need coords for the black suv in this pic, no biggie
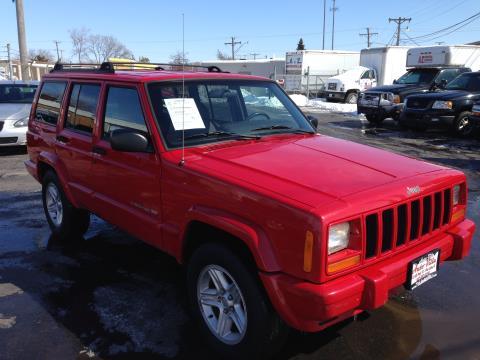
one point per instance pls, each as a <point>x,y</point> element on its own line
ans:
<point>448,107</point>
<point>382,102</point>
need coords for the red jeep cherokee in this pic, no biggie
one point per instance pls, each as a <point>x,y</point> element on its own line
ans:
<point>277,225</point>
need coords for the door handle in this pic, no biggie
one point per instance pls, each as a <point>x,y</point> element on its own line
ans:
<point>99,150</point>
<point>62,139</point>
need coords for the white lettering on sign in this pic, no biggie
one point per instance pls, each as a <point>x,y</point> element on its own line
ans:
<point>184,114</point>
<point>425,269</point>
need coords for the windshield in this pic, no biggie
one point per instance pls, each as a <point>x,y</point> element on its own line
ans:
<point>225,109</point>
<point>469,82</point>
<point>17,93</point>
<point>418,76</point>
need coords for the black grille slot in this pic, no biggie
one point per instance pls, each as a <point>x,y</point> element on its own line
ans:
<point>427,214</point>
<point>1,125</point>
<point>372,235</point>
<point>414,103</point>
<point>414,219</point>
<point>387,230</point>
<point>446,206</point>
<point>401,224</point>
<point>437,210</point>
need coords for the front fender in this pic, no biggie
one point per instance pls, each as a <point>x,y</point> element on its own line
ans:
<point>53,161</point>
<point>251,234</point>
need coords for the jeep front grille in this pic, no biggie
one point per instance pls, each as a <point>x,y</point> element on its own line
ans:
<point>332,86</point>
<point>399,225</point>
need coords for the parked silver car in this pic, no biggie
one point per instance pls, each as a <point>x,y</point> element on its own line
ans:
<point>16,99</point>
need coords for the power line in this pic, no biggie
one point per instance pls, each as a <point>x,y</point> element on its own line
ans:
<point>368,35</point>
<point>399,21</point>
<point>233,43</point>
<point>467,20</point>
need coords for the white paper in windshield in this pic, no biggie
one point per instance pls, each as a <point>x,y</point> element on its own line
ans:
<point>184,114</point>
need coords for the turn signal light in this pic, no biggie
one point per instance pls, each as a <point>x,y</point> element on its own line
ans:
<point>343,264</point>
<point>459,214</point>
<point>308,252</point>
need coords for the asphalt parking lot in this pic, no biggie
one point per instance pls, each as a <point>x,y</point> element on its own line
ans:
<point>113,297</point>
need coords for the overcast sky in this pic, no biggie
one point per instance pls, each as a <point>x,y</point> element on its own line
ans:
<point>154,28</point>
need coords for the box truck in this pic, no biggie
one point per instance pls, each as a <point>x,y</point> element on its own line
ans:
<point>307,70</point>
<point>378,66</point>
<point>428,68</point>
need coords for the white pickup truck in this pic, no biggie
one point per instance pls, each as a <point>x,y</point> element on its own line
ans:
<point>345,87</point>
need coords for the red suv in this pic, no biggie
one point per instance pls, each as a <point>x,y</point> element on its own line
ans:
<point>278,226</point>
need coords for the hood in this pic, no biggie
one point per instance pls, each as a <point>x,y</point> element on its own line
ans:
<point>399,88</point>
<point>352,74</point>
<point>311,169</point>
<point>445,95</point>
<point>10,111</point>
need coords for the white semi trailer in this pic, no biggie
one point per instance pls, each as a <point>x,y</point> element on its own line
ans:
<point>307,70</point>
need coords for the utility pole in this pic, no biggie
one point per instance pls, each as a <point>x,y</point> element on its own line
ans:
<point>255,55</point>
<point>399,21</point>
<point>324,14</point>
<point>233,43</point>
<point>58,52</point>
<point>10,68</point>
<point>333,9</point>
<point>22,40</point>
<point>368,35</point>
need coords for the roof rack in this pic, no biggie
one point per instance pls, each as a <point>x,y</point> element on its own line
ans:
<point>110,67</point>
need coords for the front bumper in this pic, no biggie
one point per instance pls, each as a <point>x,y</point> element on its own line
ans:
<point>312,307</point>
<point>335,95</point>
<point>381,111</point>
<point>12,136</point>
<point>427,118</point>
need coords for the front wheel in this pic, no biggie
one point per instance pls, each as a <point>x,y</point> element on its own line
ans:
<point>462,124</point>
<point>67,223</point>
<point>230,307</point>
<point>351,98</point>
<point>374,119</point>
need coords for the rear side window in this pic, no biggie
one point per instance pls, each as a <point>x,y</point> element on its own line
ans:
<point>48,107</point>
<point>123,110</point>
<point>82,107</point>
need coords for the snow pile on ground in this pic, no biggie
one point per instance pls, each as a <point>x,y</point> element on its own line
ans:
<point>300,100</point>
<point>321,104</point>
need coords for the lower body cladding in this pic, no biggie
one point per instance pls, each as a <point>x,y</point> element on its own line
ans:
<point>380,112</point>
<point>12,136</point>
<point>313,307</point>
<point>424,119</point>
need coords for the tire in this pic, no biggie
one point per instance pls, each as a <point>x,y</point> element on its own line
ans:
<point>462,125</point>
<point>66,222</point>
<point>374,119</point>
<point>262,332</point>
<point>351,98</point>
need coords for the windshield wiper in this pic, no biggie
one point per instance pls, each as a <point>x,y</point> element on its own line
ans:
<point>283,127</point>
<point>222,133</point>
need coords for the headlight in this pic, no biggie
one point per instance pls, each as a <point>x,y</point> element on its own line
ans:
<point>456,195</point>
<point>439,104</point>
<point>338,237</point>
<point>21,123</point>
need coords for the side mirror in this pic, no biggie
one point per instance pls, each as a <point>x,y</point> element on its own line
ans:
<point>129,140</point>
<point>313,121</point>
<point>394,81</point>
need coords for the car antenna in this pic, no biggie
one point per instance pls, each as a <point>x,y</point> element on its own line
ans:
<point>182,161</point>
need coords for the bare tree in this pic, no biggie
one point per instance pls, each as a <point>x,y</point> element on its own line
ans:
<point>178,58</point>
<point>40,55</point>
<point>143,59</point>
<point>223,56</point>
<point>79,39</point>
<point>100,48</point>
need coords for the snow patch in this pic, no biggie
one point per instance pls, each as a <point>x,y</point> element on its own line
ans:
<point>299,100</point>
<point>6,322</point>
<point>7,289</point>
<point>323,105</point>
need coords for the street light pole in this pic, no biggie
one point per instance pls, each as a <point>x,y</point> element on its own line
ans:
<point>22,39</point>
